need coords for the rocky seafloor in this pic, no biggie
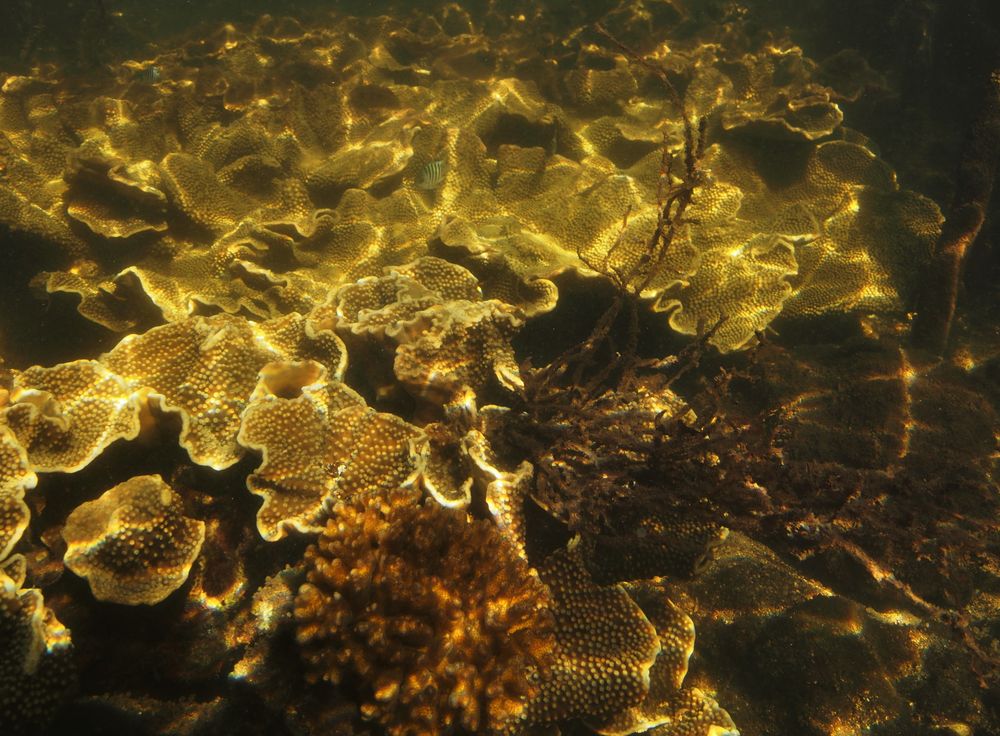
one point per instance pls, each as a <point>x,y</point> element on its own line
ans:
<point>484,370</point>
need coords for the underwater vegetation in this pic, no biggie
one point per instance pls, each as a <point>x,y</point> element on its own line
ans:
<point>446,371</point>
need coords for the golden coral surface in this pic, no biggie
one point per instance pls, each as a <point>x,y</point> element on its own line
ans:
<point>36,667</point>
<point>133,544</point>
<point>261,200</point>
<point>326,261</point>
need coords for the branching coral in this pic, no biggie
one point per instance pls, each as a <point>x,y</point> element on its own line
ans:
<point>443,622</point>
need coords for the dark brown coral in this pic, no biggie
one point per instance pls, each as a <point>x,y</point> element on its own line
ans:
<point>440,620</point>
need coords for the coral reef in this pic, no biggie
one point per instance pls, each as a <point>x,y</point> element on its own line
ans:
<point>340,449</point>
<point>535,180</point>
<point>205,369</point>
<point>16,477</point>
<point>449,367</point>
<point>68,414</point>
<point>443,622</point>
<point>133,544</point>
<point>36,669</point>
<point>449,342</point>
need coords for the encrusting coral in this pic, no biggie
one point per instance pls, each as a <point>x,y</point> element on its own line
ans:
<point>36,669</point>
<point>606,646</point>
<point>449,341</point>
<point>535,180</point>
<point>205,369</point>
<point>133,544</point>
<point>443,622</point>
<point>466,346</point>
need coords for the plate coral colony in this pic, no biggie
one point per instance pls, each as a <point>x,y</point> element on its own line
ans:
<point>440,388</point>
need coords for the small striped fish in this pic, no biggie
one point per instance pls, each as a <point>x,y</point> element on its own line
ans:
<point>431,176</point>
<point>149,75</point>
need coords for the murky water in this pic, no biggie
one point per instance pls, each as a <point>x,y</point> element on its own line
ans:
<point>502,368</point>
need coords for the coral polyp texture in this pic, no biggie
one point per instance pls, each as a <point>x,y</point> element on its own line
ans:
<point>407,373</point>
<point>68,414</point>
<point>320,447</point>
<point>16,477</point>
<point>621,657</point>
<point>262,204</point>
<point>36,667</point>
<point>449,341</point>
<point>133,544</point>
<point>443,622</point>
<point>205,368</point>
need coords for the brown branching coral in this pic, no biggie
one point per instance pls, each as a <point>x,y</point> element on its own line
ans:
<point>441,620</point>
<point>592,421</point>
<point>133,544</point>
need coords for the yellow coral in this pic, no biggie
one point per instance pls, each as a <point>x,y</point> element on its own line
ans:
<point>669,709</point>
<point>342,449</point>
<point>99,300</point>
<point>205,369</point>
<point>133,544</point>
<point>68,414</point>
<point>36,669</point>
<point>605,646</point>
<point>16,476</point>
<point>772,93</point>
<point>840,238</point>
<point>386,305</point>
<point>466,344</point>
<point>110,195</point>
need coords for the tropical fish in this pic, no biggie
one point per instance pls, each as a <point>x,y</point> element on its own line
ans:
<point>431,175</point>
<point>149,75</point>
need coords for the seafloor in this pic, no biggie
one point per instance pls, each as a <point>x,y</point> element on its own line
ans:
<point>507,368</point>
